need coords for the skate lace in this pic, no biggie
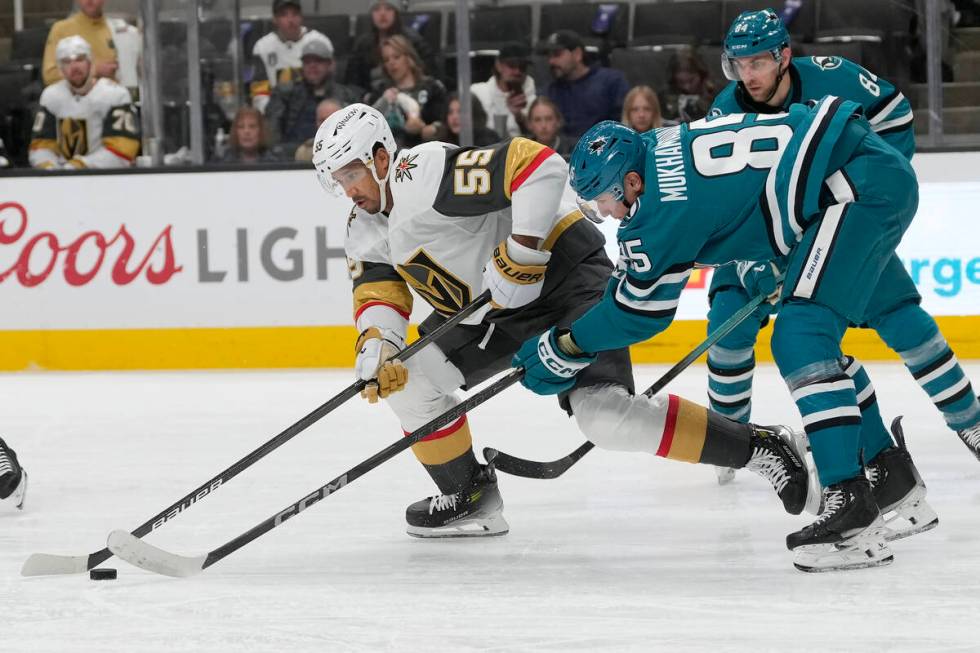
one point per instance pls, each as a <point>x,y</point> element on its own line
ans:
<point>442,502</point>
<point>833,500</point>
<point>769,466</point>
<point>971,436</point>
<point>6,464</point>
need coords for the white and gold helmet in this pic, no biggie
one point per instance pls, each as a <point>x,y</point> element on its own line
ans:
<point>351,134</point>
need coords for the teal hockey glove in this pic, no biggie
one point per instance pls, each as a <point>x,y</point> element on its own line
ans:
<point>551,362</point>
<point>761,277</point>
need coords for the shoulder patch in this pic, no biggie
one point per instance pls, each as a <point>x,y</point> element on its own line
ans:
<point>404,167</point>
<point>826,63</point>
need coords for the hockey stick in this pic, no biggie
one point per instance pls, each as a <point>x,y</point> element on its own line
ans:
<point>146,556</point>
<point>515,466</point>
<point>41,564</point>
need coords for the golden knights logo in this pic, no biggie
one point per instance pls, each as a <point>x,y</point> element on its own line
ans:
<point>72,137</point>
<point>405,166</point>
<point>443,290</point>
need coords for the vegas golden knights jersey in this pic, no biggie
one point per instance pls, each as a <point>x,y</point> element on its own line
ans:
<point>452,206</point>
<point>95,130</point>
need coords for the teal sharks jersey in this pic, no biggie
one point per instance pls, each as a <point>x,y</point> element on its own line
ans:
<point>734,187</point>
<point>886,108</point>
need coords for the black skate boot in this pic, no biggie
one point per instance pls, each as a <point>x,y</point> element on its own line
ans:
<point>778,457</point>
<point>13,478</point>
<point>474,512</point>
<point>848,534</point>
<point>971,438</point>
<point>899,491</point>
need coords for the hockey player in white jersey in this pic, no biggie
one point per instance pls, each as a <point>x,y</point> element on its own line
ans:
<point>448,222</point>
<point>13,478</point>
<point>83,122</point>
<point>276,56</point>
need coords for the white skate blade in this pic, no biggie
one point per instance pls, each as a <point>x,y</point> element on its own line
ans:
<point>474,527</point>
<point>146,556</point>
<point>47,564</point>
<point>913,515</point>
<point>865,549</point>
<point>725,475</point>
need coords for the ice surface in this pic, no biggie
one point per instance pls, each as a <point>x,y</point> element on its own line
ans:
<point>624,552</point>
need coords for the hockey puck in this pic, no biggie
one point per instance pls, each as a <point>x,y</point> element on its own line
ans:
<point>102,574</point>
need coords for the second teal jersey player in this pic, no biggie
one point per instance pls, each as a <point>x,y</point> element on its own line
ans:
<point>765,79</point>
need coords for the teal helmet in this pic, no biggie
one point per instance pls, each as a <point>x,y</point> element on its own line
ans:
<point>601,159</point>
<point>751,33</point>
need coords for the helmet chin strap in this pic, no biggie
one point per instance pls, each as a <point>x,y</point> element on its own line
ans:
<point>382,184</point>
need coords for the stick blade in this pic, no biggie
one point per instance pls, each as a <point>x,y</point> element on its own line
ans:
<point>47,564</point>
<point>514,466</point>
<point>146,556</point>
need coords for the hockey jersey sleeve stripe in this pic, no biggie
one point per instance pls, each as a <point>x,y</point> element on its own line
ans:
<point>661,296</point>
<point>363,307</point>
<point>523,158</point>
<point>560,228</point>
<point>121,146</point>
<point>903,122</point>
<point>885,107</point>
<point>673,274</point>
<point>44,144</point>
<point>394,293</point>
<point>804,160</point>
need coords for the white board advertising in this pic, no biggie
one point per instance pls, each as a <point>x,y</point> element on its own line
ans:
<point>228,249</point>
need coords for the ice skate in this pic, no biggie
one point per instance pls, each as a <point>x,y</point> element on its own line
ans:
<point>474,512</point>
<point>848,534</point>
<point>778,457</point>
<point>13,477</point>
<point>971,438</point>
<point>899,491</point>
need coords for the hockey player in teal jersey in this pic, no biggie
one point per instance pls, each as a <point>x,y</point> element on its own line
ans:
<point>813,185</point>
<point>765,79</point>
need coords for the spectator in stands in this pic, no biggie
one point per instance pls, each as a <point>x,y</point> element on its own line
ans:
<point>641,109</point>
<point>448,129</point>
<point>364,65</point>
<point>249,141</point>
<point>407,97</point>
<point>291,113</point>
<point>276,56</point>
<point>90,24</point>
<point>690,89</point>
<point>544,126</point>
<point>323,111</point>
<point>508,93</point>
<point>83,121</point>
<point>585,95</point>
